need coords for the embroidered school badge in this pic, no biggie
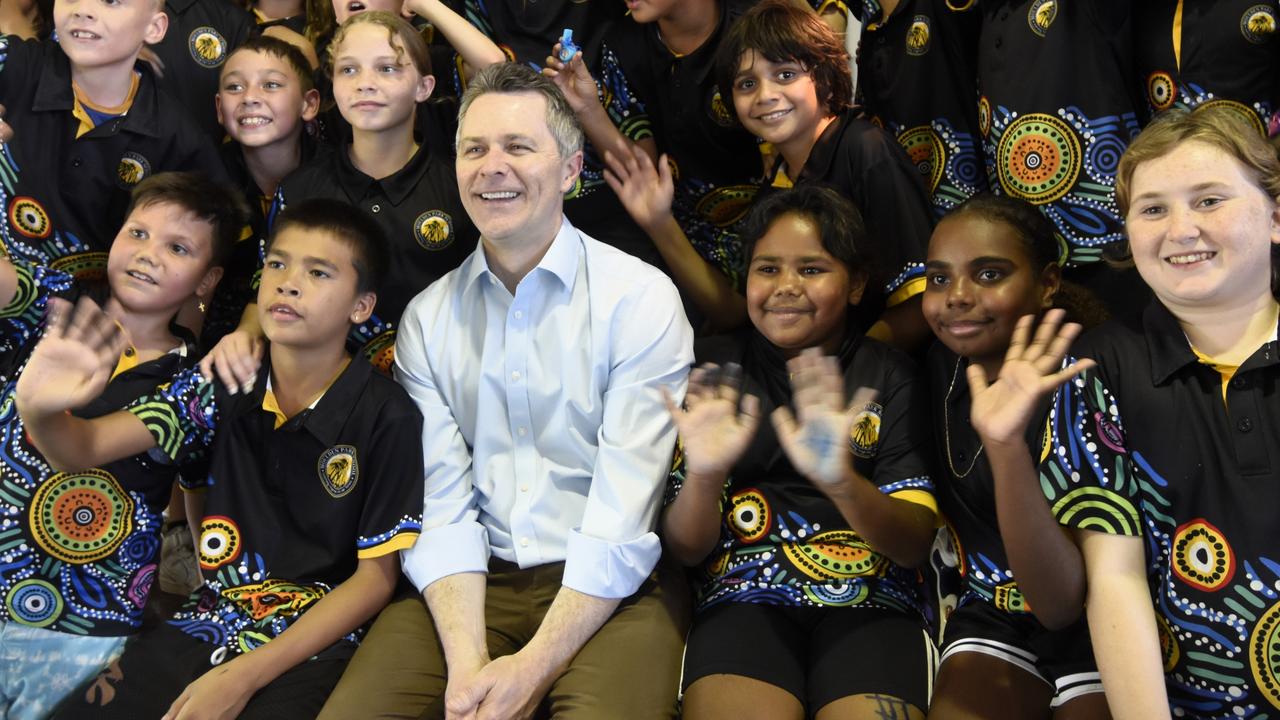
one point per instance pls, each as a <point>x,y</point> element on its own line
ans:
<point>29,218</point>
<point>132,169</point>
<point>434,230</point>
<point>718,111</point>
<point>918,35</point>
<point>208,47</point>
<point>864,436</point>
<point>338,470</point>
<point>1258,24</point>
<point>1041,14</point>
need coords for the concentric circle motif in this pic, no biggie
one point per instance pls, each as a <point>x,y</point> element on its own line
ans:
<point>1038,159</point>
<point>381,351</point>
<point>1249,116</point>
<point>1201,556</point>
<point>984,116</point>
<point>34,602</point>
<point>29,218</point>
<point>1170,654</point>
<point>1008,598</point>
<point>1264,655</point>
<point>927,153</point>
<point>219,542</point>
<point>1161,91</point>
<point>841,595</point>
<point>84,267</point>
<point>81,517</point>
<point>835,555</point>
<point>749,515</point>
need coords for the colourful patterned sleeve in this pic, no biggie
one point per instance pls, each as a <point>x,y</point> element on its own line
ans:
<point>23,317</point>
<point>181,416</point>
<point>620,101</point>
<point>1089,477</point>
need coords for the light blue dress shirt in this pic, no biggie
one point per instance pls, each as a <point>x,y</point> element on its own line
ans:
<point>545,437</point>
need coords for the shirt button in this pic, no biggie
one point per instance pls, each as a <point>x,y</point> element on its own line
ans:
<point>518,314</point>
<point>999,43</point>
<point>521,431</point>
<point>524,488</point>
<point>76,162</point>
<point>1239,383</point>
<point>376,208</point>
<point>515,376</point>
<point>524,542</point>
<point>1245,425</point>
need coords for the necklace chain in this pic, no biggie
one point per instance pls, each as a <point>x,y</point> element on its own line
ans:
<point>946,428</point>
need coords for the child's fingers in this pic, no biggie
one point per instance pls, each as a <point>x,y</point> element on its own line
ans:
<point>977,379</point>
<point>784,423</point>
<point>59,314</point>
<point>1071,371</point>
<point>1044,334</point>
<point>750,416</point>
<point>672,407</point>
<point>1060,344</point>
<point>863,397</point>
<point>1021,333</point>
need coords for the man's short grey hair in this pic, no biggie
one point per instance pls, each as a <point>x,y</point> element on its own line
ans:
<point>509,77</point>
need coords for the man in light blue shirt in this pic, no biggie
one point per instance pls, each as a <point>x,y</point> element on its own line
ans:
<point>539,366</point>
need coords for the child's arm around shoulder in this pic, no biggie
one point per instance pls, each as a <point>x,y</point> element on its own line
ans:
<point>224,691</point>
<point>70,367</point>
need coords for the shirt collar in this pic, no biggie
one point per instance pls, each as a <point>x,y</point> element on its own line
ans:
<point>326,416</point>
<point>177,7</point>
<point>560,260</point>
<point>823,154</point>
<point>53,92</point>
<point>1170,351</point>
<point>396,186</point>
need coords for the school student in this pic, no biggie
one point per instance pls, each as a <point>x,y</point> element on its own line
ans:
<point>82,547</point>
<point>804,530</point>
<point>314,486</point>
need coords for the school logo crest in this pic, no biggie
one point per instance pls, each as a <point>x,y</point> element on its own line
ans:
<point>208,47</point>
<point>434,230</point>
<point>1258,24</point>
<point>29,217</point>
<point>864,436</point>
<point>338,470</point>
<point>918,35</point>
<point>132,169</point>
<point>1041,14</point>
<point>718,111</point>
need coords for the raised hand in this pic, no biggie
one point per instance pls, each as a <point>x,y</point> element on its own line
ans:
<point>573,79</point>
<point>713,430</point>
<point>73,363</point>
<point>645,191</point>
<point>816,438</point>
<point>1032,368</point>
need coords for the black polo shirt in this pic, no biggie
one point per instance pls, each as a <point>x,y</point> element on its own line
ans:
<point>1057,111</point>
<point>1230,55</point>
<point>917,77</point>
<point>65,197</point>
<point>863,163</point>
<point>1144,445</point>
<point>289,510</point>
<point>78,551</point>
<point>419,209</point>
<point>781,541</point>
<point>202,33</point>
<point>716,163</point>
<point>968,495</point>
<point>526,32</point>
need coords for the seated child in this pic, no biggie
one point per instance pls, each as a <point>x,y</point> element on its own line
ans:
<point>315,483</point>
<point>992,261</point>
<point>81,548</point>
<point>790,79</point>
<point>265,99</point>
<point>1164,459</point>
<point>805,530</point>
<point>88,126</point>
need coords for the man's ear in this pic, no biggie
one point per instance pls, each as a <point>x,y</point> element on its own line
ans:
<point>572,169</point>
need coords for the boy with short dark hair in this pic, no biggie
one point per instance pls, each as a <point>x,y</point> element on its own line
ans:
<point>79,550</point>
<point>265,98</point>
<point>315,484</point>
<point>88,126</point>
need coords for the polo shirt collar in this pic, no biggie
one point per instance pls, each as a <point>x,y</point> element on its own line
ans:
<point>325,418</point>
<point>1168,348</point>
<point>178,6</point>
<point>824,152</point>
<point>560,260</point>
<point>396,186</point>
<point>53,92</point>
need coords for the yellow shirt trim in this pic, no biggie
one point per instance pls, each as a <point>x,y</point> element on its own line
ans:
<point>403,541</point>
<point>1226,371</point>
<point>272,405</point>
<point>908,290</point>
<point>919,497</point>
<point>1177,36</point>
<point>82,102</point>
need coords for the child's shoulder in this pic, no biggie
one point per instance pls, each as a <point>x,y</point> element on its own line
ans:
<point>313,175</point>
<point>29,60</point>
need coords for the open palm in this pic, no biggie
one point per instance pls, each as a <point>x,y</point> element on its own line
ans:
<point>1032,368</point>
<point>713,430</point>
<point>816,437</point>
<point>73,362</point>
